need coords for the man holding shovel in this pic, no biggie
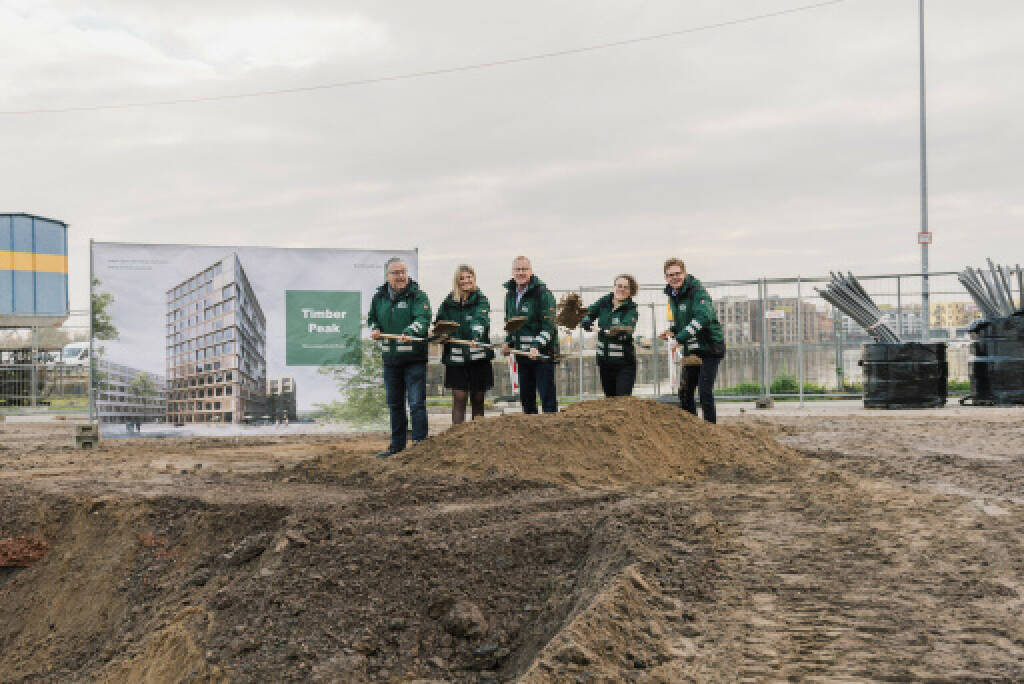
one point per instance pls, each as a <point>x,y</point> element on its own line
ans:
<point>696,328</point>
<point>400,317</point>
<point>532,335</point>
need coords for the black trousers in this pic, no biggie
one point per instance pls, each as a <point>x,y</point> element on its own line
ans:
<point>617,381</point>
<point>700,378</point>
<point>537,377</point>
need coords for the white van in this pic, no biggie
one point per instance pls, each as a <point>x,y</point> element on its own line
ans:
<point>75,354</point>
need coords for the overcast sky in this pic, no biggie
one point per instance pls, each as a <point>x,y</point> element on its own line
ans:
<point>778,147</point>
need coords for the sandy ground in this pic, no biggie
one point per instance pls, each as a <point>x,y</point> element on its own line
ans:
<point>816,543</point>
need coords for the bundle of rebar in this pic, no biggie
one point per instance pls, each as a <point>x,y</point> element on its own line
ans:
<point>991,289</point>
<point>845,293</point>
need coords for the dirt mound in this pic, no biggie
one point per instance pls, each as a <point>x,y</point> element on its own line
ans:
<point>608,442</point>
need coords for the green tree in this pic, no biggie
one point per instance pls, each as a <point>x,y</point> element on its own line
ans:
<point>143,388</point>
<point>102,325</point>
<point>362,389</point>
<point>102,329</point>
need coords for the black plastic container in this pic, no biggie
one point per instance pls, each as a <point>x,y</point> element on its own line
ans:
<point>907,375</point>
<point>996,366</point>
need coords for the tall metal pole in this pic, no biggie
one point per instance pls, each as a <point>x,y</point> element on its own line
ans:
<point>925,311</point>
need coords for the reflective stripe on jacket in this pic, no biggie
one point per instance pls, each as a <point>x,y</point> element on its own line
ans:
<point>613,349</point>
<point>538,305</point>
<point>474,319</point>
<point>409,313</point>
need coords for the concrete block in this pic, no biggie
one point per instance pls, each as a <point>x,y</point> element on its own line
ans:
<point>87,430</point>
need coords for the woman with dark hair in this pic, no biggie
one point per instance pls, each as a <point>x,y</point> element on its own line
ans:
<point>615,315</point>
<point>467,366</point>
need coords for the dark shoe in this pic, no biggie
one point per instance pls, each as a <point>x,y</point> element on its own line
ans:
<point>390,451</point>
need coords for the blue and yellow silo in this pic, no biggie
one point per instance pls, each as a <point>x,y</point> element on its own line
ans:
<point>33,271</point>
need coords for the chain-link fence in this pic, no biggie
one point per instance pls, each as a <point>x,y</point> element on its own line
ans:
<point>46,368</point>
<point>782,338</point>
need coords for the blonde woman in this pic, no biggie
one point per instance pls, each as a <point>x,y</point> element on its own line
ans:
<point>467,367</point>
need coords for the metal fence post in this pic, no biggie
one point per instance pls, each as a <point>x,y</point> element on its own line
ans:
<point>33,361</point>
<point>799,342</point>
<point>654,353</point>
<point>92,352</point>
<point>763,287</point>
<point>579,330</point>
<point>899,307</point>
<point>839,348</point>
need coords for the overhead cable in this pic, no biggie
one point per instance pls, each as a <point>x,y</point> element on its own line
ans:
<point>422,74</point>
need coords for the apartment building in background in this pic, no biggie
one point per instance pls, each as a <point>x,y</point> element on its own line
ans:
<point>741,319</point>
<point>953,314</point>
<point>734,314</point>
<point>128,395</point>
<point>216,347</point>
<point>281,405</point>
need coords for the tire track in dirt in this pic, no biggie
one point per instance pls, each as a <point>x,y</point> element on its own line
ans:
<point>830,576</point>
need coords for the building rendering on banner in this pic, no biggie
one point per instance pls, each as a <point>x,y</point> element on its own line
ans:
<point>128,395</point>
<point>281,405</point>
<point>216,347</point>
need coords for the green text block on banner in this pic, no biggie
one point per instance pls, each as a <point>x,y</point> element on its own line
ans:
<point>322,328</point>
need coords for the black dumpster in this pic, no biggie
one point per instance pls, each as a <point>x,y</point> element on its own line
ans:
<point>996,365</point>
<point>906,375</point>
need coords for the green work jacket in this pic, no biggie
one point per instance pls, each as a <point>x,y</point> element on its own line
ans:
<point>408,313</point>
<point>613,349</point>
<point>694,321</point>
<point>538,305</point>
<point>474,319</point>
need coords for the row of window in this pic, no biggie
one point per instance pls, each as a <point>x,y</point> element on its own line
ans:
<point>204,340</point>
<point>177,322</point>
<point>196,282</point>
<point>197,406</point>
<point>200,393</point>
<point>226,417</point>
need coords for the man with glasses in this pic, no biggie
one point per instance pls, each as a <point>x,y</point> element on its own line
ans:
<point>527,296</point>
<point>401,309</point>
<point>696,328</point>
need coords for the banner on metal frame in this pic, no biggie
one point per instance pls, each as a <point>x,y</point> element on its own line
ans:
<point>219,332</point>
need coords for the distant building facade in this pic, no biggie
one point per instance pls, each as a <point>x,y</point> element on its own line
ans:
<point>216,347</point>
<point>953,314</point>
<point>128,395</point>
<point>734,315</point>
<point>281,404</point>
<point>782,326</point>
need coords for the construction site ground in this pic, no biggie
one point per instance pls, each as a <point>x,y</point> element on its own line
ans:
<point>618,541</point>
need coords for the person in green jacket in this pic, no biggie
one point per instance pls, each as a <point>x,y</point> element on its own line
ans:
<point>467,368</point>
<point>616,356</point>
<point>400,307</point>
<point>527,296</point>
<point>696,328</point>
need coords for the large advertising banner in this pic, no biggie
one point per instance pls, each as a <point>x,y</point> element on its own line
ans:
<point>196,334</point>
